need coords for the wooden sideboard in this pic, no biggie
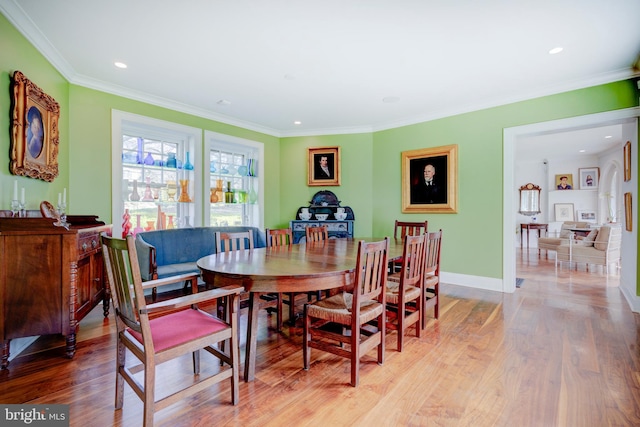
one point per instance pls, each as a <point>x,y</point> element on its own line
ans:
<point>50,277</point>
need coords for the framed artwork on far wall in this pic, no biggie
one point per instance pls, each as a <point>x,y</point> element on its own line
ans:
<point>430,180</point>
<point>589,178</point>
<point>564,212</point>
<point>627,161</point>
<point>34,130</point>
<point>628,212</point>
<point>587,216</point>
<point>324,166</point>
<point>564,181</point>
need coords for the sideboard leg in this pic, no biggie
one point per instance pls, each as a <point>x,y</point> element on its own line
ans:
<point>71,345</point>
<point>4,363</point>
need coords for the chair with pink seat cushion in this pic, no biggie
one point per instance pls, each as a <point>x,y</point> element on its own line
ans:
<point>159,332</point>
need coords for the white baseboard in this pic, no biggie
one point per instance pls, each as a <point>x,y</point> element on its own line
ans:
<point>487,283</point>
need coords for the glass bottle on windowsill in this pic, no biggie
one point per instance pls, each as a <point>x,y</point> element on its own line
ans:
<point>228,195</point>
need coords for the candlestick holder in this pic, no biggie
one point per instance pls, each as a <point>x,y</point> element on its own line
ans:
<point>61,216</point>
<point>15,208</point>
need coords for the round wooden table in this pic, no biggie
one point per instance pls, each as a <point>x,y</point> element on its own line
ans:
<point>296,268</point>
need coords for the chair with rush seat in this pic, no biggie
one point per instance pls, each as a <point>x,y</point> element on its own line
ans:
<point>341,324</point>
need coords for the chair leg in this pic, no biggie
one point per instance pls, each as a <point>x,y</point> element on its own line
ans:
<point>355,356</point>
<point>149,392</point>
<point>196,362</point>
<point>120,363</point>
<point>306,353</point>
<point>279,313</point>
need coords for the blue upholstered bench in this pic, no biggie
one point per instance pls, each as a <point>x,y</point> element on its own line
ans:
<point>164,253</point>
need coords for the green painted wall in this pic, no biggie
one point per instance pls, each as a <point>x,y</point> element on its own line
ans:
<point>474,236</point>
<point>17,54</point>
<point>370,162</point>
<point>356,189</point>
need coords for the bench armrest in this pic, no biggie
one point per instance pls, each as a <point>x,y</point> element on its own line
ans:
<point>147,260</point>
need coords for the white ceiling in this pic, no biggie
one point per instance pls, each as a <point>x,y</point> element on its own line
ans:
<point>331,63</point>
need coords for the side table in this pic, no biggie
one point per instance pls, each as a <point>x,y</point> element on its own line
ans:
<point>532,226</point>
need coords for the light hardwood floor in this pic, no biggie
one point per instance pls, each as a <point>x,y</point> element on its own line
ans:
<point>563,350</point>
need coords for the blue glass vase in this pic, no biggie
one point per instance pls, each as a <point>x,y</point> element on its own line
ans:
<point>171,161</point>
<point>187,165</point>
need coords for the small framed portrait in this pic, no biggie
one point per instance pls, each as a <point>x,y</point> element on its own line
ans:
<point>324,166</point>
<point>430,180</point>
<point>589,178</point>
<point>564,212</point>
<point>564,181</point>
<point>34,131</point>
<point>587,216</point>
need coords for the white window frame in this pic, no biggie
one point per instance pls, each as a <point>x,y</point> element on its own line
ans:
<point>122,123</point>
<point>220,141</point>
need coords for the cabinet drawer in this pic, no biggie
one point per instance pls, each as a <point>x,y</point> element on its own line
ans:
<point>88,243</point>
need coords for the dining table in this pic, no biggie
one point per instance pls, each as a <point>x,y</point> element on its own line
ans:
<point>304,267</point>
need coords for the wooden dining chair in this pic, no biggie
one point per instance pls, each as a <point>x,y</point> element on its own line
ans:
<point>404,289</point>
<point>431,276</point>
<point>243,241</point>
<point>317,234</point>
<point>325,321</point>
<point>159,332</point>
<point>406,228</point>
<point>281,237</point>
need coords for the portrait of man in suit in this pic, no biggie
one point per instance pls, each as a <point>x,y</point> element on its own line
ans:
<point>429,183</point>
<point>323,166</point>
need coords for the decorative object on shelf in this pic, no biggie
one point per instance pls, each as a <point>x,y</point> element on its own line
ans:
<point>212,167</point>
<point>171,161</point>
<point>149,159</point>
<point>324,166</point>
<point>170,225</point>
<point>148,195</point>
<point>126,223</point>
<point>184,191</point>
<point>228,195</point>
<point>323,209</point>
<point>253,196</point>
<point>242,170</point>
<point>134,197</point>
<point>187,164</point>
<point>213,197</point>
<point>34,131</point>
<point>430,180</point>
<point>140,154</point>
<point>589,178</point>
<point>138,228</point>
<point>172,189</point>
<point>150,226</point>
<point>240,196</point>
<point>219,191</point>
<point>251,166</point>
<point>161,219</point>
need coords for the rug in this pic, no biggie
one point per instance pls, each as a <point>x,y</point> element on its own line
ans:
<point>519,282</point>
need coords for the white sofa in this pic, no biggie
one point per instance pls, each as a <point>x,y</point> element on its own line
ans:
<point>602,248</point>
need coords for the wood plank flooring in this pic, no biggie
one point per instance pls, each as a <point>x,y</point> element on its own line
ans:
<point>562,350</point>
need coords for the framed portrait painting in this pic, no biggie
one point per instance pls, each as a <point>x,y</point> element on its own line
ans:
<point>34,130</point>
<point>430,180</point>
<point>324,166</point>
<point>564,181</point>
<point>589,178</point>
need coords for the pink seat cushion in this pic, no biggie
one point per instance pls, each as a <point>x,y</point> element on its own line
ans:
<point>178,328</point>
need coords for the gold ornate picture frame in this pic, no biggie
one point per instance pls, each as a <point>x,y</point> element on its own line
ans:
<point>430,180</point>
<point>34,131</point>
<point>324,166</point>
<point>628,211</point>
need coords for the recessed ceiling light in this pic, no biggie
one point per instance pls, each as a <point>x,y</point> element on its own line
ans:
<point>582,151</point>
<point>608,137</point>
<point>297,122</point>
<point>120,64</point>
<point>556,50</point>
<point>390,99</point>
<point>223,102</point>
